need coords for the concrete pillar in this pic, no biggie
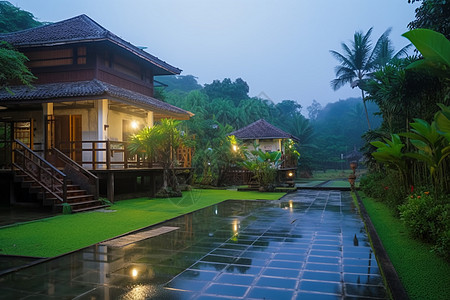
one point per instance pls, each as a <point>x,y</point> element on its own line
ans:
<point>102,127</point>
<point>150,119</point>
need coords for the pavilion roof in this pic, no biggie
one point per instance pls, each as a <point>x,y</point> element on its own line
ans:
<point>261,129</point>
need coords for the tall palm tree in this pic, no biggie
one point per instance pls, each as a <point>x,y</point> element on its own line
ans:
<point>361,59</point>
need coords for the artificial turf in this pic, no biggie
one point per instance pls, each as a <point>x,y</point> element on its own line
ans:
<point>65,233</point>
<point>423,274</point>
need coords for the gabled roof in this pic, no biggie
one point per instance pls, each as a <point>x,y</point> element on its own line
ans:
<point>261,129</point>
<point>70,91</point>
<point>75,30</point>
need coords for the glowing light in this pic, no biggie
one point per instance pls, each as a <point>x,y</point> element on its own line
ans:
<point>290,174</point>
<point>134,124</point>
<point>235,226</point>
<point>235,148</point>
<point>134,273</point>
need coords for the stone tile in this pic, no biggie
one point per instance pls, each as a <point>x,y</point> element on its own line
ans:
<point>239,269</point>
<point>321,286</point>
<point>324,259</point>
<point>278,272</point>
<point>285,264</point>
<point>278,254</point>
<point>326,253</point>
<point>208,266</point>
<point>187,285</point>
<point>361,269</point>
<point>322,267</point>
<point>197,275</point>
<point>363,279</point>
<point>276,282</point>
<point>362,290</point>
<point>227,290</point>
<point>290,257</point>
<point>268,293</point>
<point>316,296</point>
<point>235,279</point>
<point>323,276</point>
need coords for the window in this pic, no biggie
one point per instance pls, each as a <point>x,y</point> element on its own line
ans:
<point>57,57</point>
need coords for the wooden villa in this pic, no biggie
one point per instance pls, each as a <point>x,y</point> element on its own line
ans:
<point>69,131</point>
<point>269,138</point>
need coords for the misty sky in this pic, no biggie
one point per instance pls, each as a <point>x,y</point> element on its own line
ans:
<point>279,47</point>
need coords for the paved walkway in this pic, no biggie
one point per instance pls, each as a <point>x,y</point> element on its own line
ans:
<point>308,245</point>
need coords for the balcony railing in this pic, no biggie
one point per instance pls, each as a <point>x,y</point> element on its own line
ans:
<point>97,155</point>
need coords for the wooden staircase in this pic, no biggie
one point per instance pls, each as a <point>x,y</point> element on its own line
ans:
<point>73,186</point>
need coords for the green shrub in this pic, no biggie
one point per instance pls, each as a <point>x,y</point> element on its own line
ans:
<point>442,245</point>
<point>66,209</point>
<point>428,219</point>
<point>384,187</point>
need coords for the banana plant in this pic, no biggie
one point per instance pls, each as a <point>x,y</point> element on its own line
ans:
<point>442,119</point>
<point>434,47</point>
<point>431,145</point>
<point>264,165</point>
<point>390,152</point>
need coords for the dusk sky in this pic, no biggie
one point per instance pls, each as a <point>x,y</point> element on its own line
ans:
<point>278,47</point>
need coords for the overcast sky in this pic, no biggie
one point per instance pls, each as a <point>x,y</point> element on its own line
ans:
<point>279,47</point>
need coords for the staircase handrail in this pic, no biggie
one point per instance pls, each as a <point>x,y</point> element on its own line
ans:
<point>84,178</point>
<point>52,184</point>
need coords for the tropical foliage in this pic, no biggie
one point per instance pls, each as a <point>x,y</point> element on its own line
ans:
<point>12,67</point>
<point>360,59</point>
<point>264,166</point>
<point>409,93</point>
<point>13,18</point>
<point>160,143</point>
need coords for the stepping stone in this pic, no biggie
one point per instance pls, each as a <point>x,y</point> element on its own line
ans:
<point>136,237</point>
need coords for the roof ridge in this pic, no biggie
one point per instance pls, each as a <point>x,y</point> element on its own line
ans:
<point>77,29</point>
<point>261,129</point>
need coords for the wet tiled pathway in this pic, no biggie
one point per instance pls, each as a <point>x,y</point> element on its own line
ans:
<point>308,245</point>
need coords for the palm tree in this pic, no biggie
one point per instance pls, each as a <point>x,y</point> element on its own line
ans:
<point>361,59</point>
<point>160,142</point>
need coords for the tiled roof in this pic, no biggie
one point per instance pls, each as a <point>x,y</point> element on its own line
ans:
<point>63,91</point>
<point>261,129</point>
<point>77,29</point>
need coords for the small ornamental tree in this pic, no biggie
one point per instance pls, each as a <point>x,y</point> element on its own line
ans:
<point>264,166</point>
<point>160,143</point>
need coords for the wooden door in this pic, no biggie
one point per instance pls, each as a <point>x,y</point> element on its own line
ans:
<point>76,137</point>
<point>68,135</point>
<point>23,131</point>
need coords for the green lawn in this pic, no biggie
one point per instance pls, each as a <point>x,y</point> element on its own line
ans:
<point>64,233</point>
<point>423,274</point>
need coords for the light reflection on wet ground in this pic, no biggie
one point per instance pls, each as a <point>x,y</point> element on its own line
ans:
<point>308,245</point>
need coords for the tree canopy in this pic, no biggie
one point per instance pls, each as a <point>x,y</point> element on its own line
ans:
<point>12,67</point>
<point>360,59</point>
<point>434,15</point>
<point>12,63</point>
<point>13,18</point>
